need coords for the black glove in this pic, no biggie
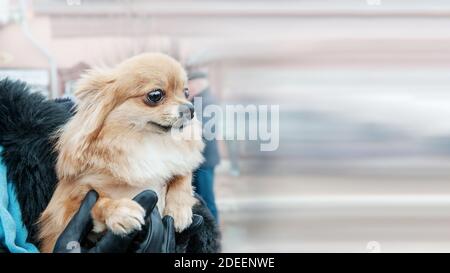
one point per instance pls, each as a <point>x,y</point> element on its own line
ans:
<point>161,238</point>
<point>157,236</point>
<point>74,235</point>
<point>184,237</point>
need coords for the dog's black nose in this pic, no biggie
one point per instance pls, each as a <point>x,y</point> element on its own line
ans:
<point>186,111</point>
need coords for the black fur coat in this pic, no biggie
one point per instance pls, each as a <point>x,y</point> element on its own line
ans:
<point>27,121</point>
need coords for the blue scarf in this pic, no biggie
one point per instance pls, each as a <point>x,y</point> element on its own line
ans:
<point>13,234</point>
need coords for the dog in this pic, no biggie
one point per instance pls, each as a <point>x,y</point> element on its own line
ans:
<point>134,129</point>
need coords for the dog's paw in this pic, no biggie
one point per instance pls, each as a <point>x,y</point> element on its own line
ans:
<point>182,217</point>
<point>126,216</point>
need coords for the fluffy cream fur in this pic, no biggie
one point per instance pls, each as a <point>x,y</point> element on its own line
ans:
<point>112,145</point>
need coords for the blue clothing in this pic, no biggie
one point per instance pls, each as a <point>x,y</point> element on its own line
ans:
<point>13,234</point>
<point>203,181</point>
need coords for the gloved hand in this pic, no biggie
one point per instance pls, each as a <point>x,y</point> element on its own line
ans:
<point>161,238</point>
<point>157,236</point>
<point>74,235</point>
<point>184,237</point>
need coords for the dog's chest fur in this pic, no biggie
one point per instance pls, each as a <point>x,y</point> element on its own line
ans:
<point>159,159</point>
<point>150,164</point>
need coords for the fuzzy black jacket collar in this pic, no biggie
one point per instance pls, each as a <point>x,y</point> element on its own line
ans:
<point>27,122</point>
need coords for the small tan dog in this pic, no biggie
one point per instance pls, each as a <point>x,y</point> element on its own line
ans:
<point>120,142</point>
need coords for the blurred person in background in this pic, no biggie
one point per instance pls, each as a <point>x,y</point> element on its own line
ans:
<point>203,178</point>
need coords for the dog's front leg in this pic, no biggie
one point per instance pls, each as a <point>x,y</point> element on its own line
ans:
<point>179,201</point>
<point>121,216</point>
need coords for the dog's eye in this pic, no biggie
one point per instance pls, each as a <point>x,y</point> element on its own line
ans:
<point>155,96</point>
<point>186,93</point>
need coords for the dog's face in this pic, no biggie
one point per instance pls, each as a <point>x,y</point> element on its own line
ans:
<point>146,94</point>
<point>153,91</point>
<point>125,116</point>
<point>150,94</point>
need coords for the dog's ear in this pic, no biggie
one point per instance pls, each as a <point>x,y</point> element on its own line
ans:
<point>96,97</point>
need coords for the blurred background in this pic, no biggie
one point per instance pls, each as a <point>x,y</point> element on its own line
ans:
<point>363,87</point>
